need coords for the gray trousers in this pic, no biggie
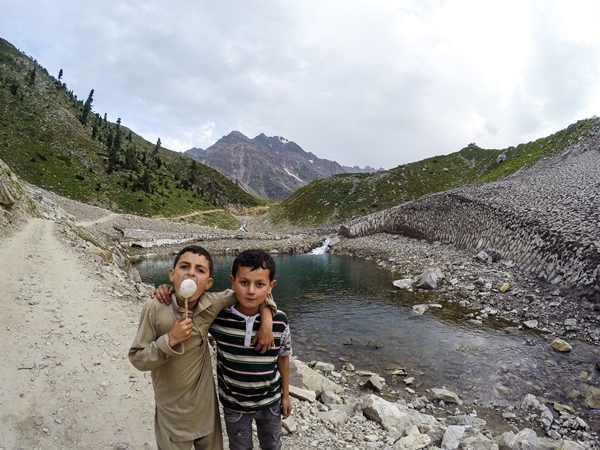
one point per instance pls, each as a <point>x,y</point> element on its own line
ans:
<point>268,425</point>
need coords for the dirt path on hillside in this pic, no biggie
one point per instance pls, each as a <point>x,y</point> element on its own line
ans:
<point>100,220</point>
<point>195,213</point>
<point>66,381</point>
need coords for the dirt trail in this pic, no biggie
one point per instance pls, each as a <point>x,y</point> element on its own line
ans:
<point>100,220</point>
<point>195,213</point>
<point>66,382</point>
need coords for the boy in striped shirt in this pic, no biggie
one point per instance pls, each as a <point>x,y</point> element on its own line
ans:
<point>252,386</point>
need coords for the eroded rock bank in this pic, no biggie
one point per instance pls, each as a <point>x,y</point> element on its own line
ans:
<point>545,220</point>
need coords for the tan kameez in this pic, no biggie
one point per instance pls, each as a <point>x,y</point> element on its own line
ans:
<point>182,377</point>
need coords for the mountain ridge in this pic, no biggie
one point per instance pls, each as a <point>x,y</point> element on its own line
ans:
<point>270,167</point>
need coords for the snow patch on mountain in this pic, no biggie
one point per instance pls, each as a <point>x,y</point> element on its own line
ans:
<point>292,175</point>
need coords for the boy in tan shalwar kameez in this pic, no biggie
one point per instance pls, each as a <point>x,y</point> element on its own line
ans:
<point>175,349</point>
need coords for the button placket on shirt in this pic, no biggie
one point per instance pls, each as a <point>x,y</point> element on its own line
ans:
<point>249,327</point>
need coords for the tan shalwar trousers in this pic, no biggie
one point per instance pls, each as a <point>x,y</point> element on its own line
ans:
<point>213,441</point>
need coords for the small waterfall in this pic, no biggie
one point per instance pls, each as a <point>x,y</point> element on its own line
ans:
<point>322,249</point>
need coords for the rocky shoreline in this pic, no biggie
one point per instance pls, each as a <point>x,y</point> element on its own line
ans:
<point>344,418</point>
<point>474,280</point>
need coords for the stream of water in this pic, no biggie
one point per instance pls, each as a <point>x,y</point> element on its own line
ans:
<point>345,307</point>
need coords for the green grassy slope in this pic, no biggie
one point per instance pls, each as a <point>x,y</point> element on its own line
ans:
<point>344,197</point>
<point>43,140</point>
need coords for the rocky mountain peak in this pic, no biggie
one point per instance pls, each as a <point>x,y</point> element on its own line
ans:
<point>267,166</point>
<point>232,138</point>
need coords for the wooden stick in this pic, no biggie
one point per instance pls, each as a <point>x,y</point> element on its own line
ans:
<point>186,307</point>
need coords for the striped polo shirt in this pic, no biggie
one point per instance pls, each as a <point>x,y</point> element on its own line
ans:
<point>248,380</point>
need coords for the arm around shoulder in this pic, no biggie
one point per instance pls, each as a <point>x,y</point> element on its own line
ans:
<point>270,302</point>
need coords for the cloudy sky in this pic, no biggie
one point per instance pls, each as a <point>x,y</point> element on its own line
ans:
<point>375,82</point>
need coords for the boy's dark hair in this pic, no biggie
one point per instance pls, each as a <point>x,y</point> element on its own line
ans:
<point>196,249</point>
<point>254,259</point>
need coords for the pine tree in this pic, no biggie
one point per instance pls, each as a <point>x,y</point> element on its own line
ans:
<point>87,107</point>
<point>129,158</point>
<point>117,140</point>
<point>113,154</point>
<point>193,171</point>
<point>145,181</point>
<point>32,77</point>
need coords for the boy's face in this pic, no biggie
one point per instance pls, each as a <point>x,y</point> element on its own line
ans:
<point>194,267</point>
<point>251,288</point>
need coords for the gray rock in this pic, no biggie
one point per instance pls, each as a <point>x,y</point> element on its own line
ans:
<point>526,439</point>
<point>302,375</point>
<point>561,346</point>
<point>412,442</point>
<point>330,398</point>
<point>466,421</point>
<point>403,284</point>
<point>324,367</point>
<point>592,397</point>
<point>335,416</point>
<point>394,415</point>
<point>429,278</point>
<point>290,424</point>
<point>374,382</point>
<point>303,394</point>
<point>483,257</point>
<point>446,396</point>
<point>452,437</point>
<point>419,309</point>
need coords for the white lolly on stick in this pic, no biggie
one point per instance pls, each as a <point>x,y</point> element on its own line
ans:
<point>186,290</point>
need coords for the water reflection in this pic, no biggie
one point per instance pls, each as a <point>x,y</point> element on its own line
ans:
<point>344,307</point>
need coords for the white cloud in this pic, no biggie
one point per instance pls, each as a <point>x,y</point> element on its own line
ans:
<point>377,83</point>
